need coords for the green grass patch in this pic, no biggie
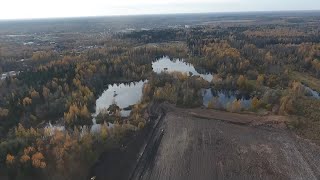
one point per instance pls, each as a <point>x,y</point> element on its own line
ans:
<point>307,79</point>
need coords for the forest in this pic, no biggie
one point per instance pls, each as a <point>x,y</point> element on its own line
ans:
<point>273,65</point>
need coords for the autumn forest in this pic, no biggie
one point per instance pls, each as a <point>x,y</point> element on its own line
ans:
<point>52,79</point>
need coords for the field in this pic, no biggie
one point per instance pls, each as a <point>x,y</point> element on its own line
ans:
<point>233,147</point>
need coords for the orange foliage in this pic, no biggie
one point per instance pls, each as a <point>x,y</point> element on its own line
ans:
<point>26,101</point>
<point>38,160</point>
<point>10,159</point>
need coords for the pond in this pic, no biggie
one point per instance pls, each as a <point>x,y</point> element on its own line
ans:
<point>165,64</point>
<point>124,95</point>
<point>128,94</point>
<point>225,97</point>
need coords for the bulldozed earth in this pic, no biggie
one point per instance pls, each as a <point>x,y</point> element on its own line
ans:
<point>191,144</point>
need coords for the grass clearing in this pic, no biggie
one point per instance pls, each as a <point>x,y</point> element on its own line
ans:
<point>305,78</point>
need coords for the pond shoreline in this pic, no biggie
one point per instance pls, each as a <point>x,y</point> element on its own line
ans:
<point>110,164</point>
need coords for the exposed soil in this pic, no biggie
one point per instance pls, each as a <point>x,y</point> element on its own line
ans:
<point>121,163</point>
<point>206,144</point>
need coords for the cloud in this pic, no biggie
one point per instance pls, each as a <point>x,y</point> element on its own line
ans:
<point>13,9</point>
<point>149,2</point>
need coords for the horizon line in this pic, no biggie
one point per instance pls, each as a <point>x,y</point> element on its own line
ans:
<point>149,14</point>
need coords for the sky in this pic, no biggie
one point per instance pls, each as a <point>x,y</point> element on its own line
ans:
<point>30,9</point>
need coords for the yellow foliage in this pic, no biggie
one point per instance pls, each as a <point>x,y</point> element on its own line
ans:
<point>4,112</point>
<point>68,142</point>
<point>42,55</point>
<point>84,113</point>
<point>72,114</point>
<point>57,138</point>
<point>221,50</point>
<point>77,82</point>
<point>260,80</point>
<point>168,92</point>
<point>21,132</point>
<point>86,139</point>
<point>216,79</point>
<point>242,82</point>
<point>316,64</point>
<point>286,105</point>
<point>255,103</point>
<point>179,75</point>
<point>235,106</point>
<point>104,133</point>
<point>297,88</point>
<point>277,32</point>
<point>141,125</point>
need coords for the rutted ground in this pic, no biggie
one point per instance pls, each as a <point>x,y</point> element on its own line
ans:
<point>205,144</point>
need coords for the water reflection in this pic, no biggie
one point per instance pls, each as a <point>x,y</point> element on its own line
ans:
<point>96,128</point>
<point>165,64</point>
<point>312,92</point>
<point>224,98</point>
<point>124,95</point>
<point>128,94</point>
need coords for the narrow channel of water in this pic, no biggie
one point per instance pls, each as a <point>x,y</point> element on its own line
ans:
<point>312,92</point>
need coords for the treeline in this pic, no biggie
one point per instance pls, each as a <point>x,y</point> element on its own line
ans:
<point>62,87</point>
<point>177,88</point>
<point>156,36</point>
<point>238,53</point>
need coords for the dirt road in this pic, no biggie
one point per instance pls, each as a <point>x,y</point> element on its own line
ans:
<point>196,144</point>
